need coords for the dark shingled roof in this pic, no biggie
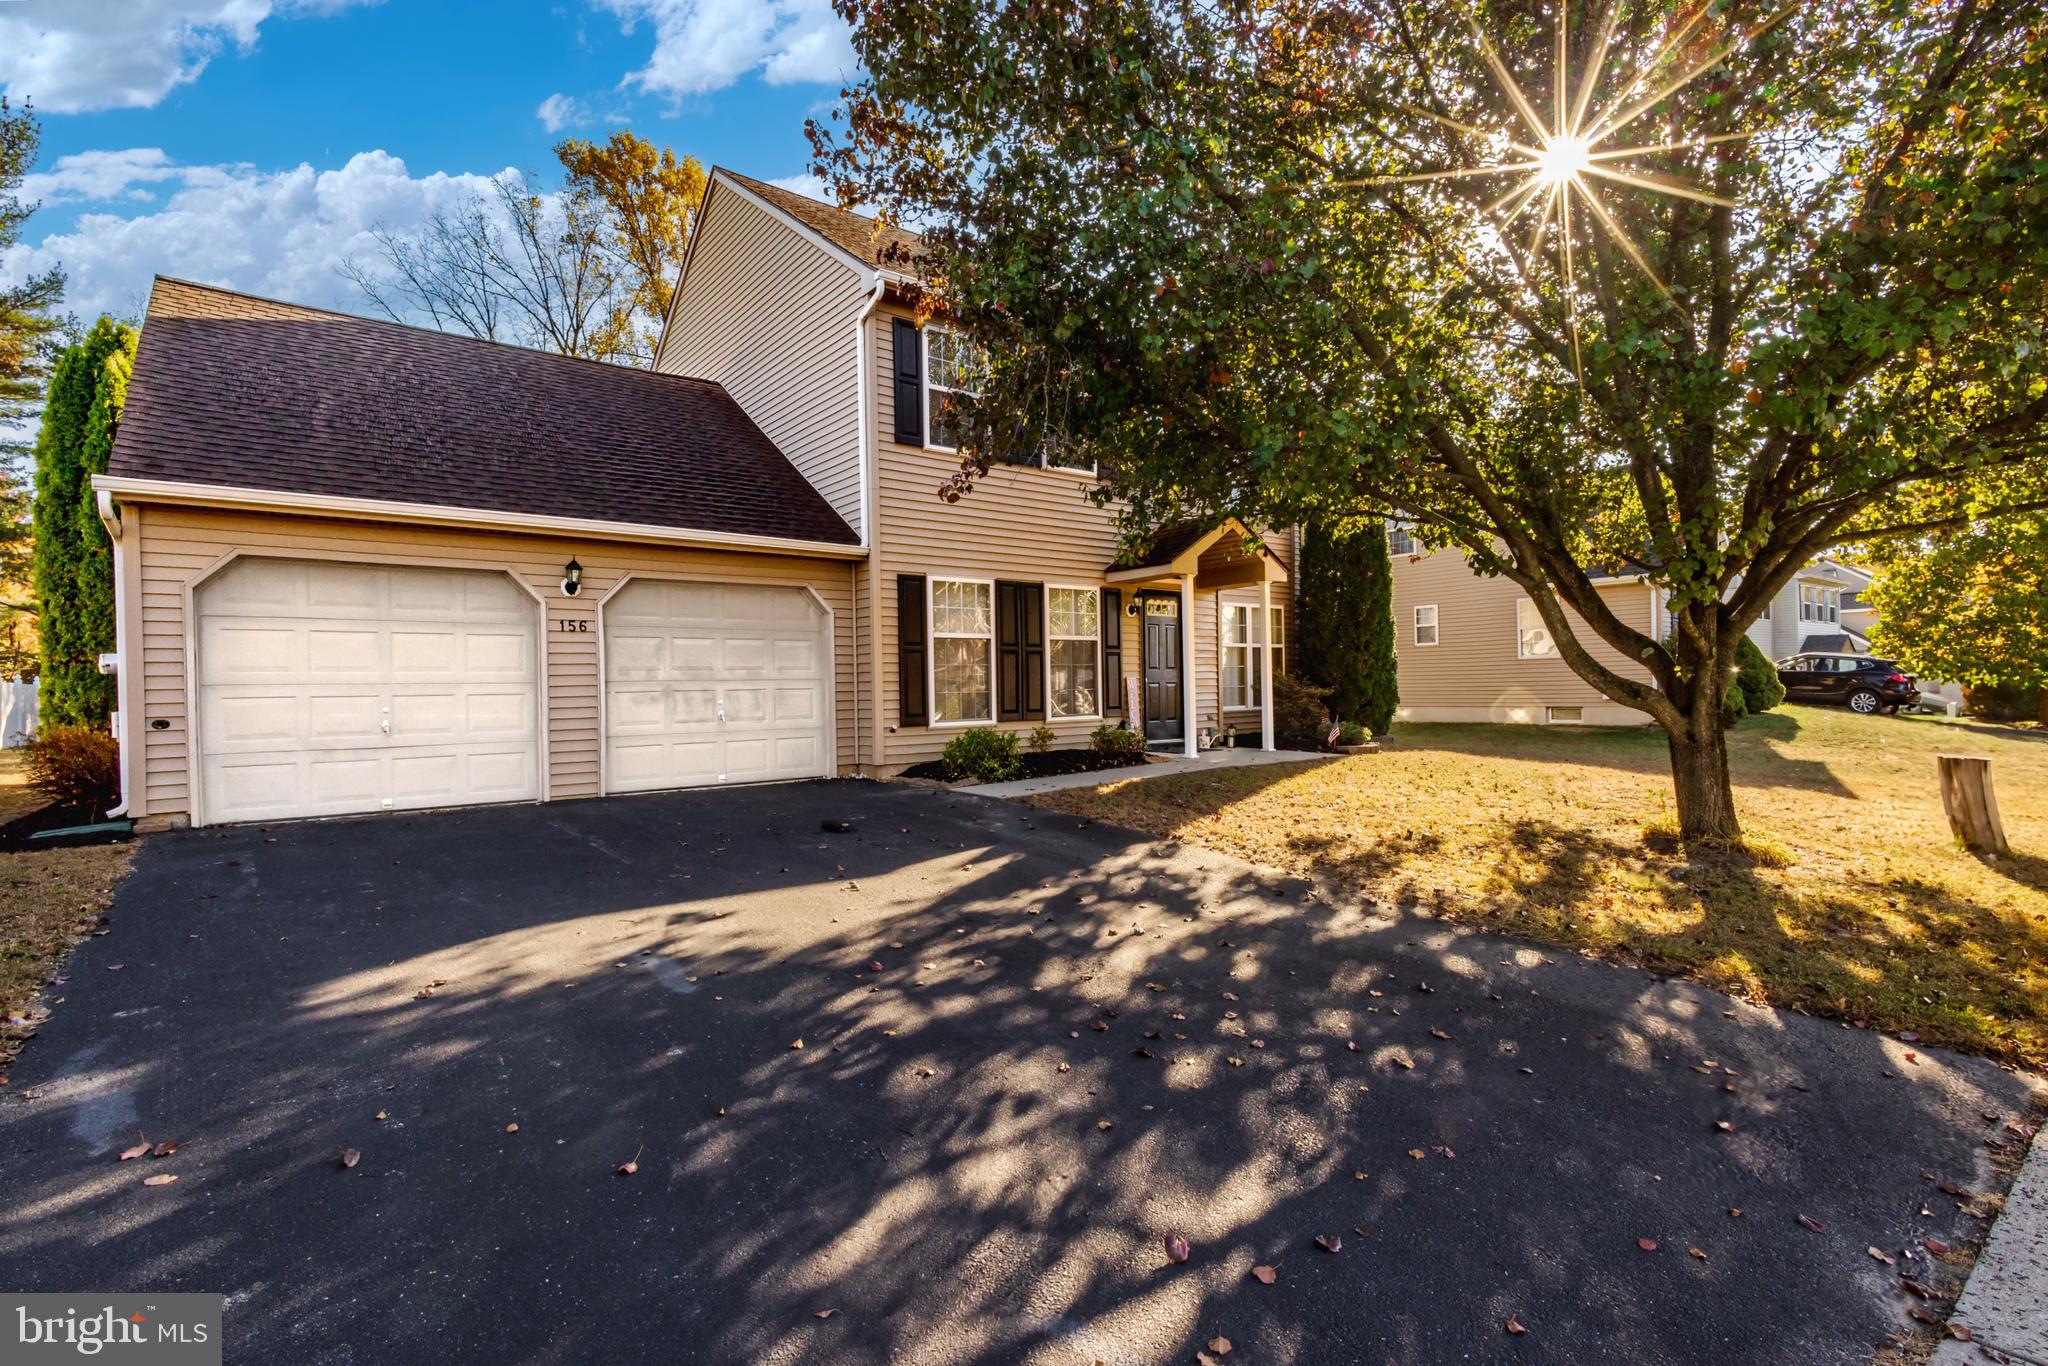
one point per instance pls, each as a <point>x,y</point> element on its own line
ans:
<point>867,238</point>
<point>252,393</point>
<point>1167,543</point>
<point>1839,644</point>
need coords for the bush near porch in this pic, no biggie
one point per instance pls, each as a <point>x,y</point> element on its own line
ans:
<point>1857,903</point>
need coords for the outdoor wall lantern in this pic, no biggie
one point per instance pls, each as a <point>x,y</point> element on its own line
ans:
<point>572,577</point>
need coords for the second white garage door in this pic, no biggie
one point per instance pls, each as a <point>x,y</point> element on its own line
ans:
<point>710,683</point>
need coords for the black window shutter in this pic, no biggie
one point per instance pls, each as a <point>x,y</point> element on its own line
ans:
<point>911,708</point>
<point>1031,657</point>
<point>1112,683</point>
<point>909,384</point>
<point>1009,651</point>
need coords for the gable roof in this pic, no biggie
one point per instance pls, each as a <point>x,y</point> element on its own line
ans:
<point>862,236</point>
<point>248,393</point>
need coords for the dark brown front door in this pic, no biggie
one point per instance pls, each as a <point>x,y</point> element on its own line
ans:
<point>1162,667</point>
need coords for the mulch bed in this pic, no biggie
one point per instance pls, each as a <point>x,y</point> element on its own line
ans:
<point>1047,765</point>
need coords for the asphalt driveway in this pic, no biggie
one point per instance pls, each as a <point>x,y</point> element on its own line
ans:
<point>1031,1049</point>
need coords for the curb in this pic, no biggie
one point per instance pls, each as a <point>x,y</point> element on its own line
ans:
<point>2005,1302</point>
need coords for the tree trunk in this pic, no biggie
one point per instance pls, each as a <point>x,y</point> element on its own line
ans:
<point>1699,774</point>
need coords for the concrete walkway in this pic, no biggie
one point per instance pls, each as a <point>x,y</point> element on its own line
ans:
<point>1158,768</point>
<point>2005,1303</point>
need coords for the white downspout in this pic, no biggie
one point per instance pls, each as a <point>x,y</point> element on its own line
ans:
<point>110,517</point>
<point>1265,638</point>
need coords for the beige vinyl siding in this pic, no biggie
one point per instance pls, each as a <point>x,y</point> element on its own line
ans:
<point>1474,673</point>
<point>1032,525</point>
<point>178,546</point>
<point>770,315</point>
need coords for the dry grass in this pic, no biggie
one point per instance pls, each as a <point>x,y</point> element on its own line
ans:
<point>49,900</point>
<point>1852,900</point>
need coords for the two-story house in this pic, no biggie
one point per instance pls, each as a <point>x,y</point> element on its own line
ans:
<point>1474,649</point>
<point>363,566</point>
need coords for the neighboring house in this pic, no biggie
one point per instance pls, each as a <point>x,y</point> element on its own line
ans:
<point>363,567</point>
<point>1474,649</point>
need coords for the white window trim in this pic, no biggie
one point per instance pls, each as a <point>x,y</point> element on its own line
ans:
<point>932,636</point>
<point>1100,682</point>
<point>1520,653</point>
<point>1406,530</point>
<point>1223,649</point>
<point>1436,630</point>
<point>1276,639</point>
<point>924,341</point>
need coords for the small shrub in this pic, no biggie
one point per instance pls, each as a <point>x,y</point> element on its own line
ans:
<point>1351,733</point>
<point>75,766</point>
<point>984,755</point>
<point>1300,720</point>
<point>1757,677</point>
<point>1118,741</point>
<point>1041,739</point>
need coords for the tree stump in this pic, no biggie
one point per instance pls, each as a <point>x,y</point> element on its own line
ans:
<point>1971,805</point>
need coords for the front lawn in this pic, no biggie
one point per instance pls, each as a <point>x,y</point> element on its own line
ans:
<point>49,899</point>
<point>1561,834</point>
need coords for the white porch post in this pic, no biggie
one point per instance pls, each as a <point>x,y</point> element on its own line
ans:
<point>1190,745</point>
<point>1265,639</point>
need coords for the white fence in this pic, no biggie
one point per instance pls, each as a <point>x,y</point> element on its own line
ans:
<point>17,713</point>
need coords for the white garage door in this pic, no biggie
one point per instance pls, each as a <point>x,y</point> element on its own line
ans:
<point>713,683</point>
<point>328,688</point>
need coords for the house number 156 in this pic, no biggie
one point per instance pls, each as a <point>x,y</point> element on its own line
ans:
<point>572,623</point>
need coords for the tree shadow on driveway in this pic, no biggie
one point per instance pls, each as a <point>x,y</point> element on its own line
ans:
<point>971,1158</point>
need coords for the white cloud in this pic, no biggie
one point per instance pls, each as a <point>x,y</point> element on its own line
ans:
<point>278,233</point>
<point>558,111</point>
<point>706,45</point>
<point>69,56</point>
<point>101,176</point>
<point>808,185</point>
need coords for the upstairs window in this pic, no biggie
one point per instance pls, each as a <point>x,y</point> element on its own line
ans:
<point>952,366</point>
<point>1399,539</point>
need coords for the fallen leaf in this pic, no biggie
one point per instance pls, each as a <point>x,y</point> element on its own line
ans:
<point>1734,1214</point>
<point>1924,1316</point>
<point>1515,1328</point>
<point>1959,1333</point>
<point>1724,1126</point>
<point>165,1148</point>
<point>1935,1245</point>
<point>1913,1287</point>
<point>1695,1252</point>
<point>629,1167</point>
<point>1329,1242</point>
<point>127,1154</point>
<point>1351,1045</point>
<point>1264,1275</point>
<point>824,1313</point>
<point>1104,1124</point>
<point>1176,1248</point>
<point>1878,1254</point>
<point>1647,1244</point>
<point>1220,1346</point>
<point>1098,1026</point>
<point>1438,1034</point>
<point>1812,1225</point>
<point>160,1179</point>
<point>1417,1154</point>
<point>1235,1062</point>
<point>1143,1052</point>
<point>796,1045</point>
<point>348,1157</point>
<point>511,1128</point>
<point>381,1116</point>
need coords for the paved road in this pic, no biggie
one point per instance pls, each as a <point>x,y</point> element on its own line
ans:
<point>957,1163</point>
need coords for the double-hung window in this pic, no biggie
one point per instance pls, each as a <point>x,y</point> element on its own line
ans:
<point>952,367</point>
<point>1399,540</point>
<point>1425,624</point>
<point>1074,650</point>
<point>1532,637</point>
<point>963,649</point>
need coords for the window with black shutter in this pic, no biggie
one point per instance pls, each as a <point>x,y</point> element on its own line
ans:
<point>911,707</point>
<point>909,384</point>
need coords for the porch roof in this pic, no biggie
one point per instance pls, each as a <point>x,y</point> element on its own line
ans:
<point>1179,549</point>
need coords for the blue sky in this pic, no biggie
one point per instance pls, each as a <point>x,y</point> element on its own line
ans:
<point>255,143</point>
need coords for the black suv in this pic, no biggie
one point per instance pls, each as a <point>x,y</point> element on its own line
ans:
<point>1867,685</point>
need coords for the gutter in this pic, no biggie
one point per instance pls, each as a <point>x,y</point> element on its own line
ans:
<point>110,517</point>
<point>434,514</point>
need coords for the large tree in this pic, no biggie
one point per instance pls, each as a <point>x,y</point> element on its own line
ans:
<point>1698,288</point>
<point>74,574</point>
<point>582,268</point>
<point>1969,605</point>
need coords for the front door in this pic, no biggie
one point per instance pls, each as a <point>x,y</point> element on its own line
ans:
<point>1162,667</point>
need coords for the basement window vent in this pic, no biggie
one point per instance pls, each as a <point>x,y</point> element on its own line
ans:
<point>1564,716</point>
